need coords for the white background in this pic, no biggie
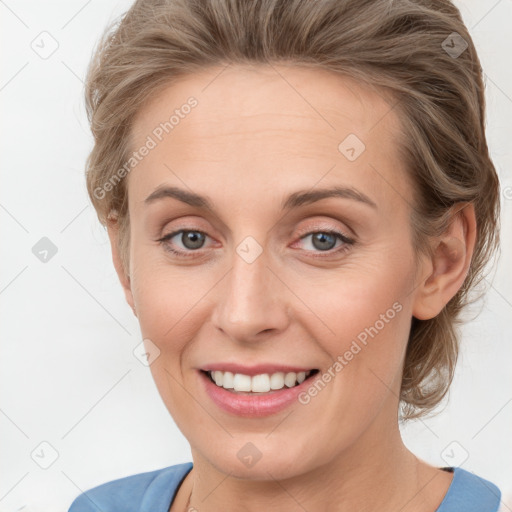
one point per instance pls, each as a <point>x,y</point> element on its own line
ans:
<point>68,374</point>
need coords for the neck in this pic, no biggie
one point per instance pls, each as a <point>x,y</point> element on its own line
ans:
<point>368,477</point>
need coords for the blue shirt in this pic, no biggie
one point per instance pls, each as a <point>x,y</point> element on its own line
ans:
<point>154,491</point>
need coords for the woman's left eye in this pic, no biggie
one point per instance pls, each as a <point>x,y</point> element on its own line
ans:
<point>325,241</point>
<point>192,240</point>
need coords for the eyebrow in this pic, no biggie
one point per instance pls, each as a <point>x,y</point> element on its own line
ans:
<point>299,198</point>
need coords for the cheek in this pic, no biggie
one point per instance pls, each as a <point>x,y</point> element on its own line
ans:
<point>362,320</point>
<point>170,299</point>
<point>370,320</point>
<point>168,303</point>
<point>357,298</point>
<point>164,307</point>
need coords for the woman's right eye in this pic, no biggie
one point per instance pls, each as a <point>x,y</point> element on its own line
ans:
<point>191,240</point>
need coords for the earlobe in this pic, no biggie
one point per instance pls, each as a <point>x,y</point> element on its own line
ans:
<point>122,273</point>
<point>449,265</point>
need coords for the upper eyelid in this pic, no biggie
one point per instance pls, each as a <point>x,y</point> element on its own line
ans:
<point>317,224</point>
<point>303,231</point>
<point>317,228</point>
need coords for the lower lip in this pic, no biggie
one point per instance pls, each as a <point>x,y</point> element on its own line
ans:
<point>257,405</point>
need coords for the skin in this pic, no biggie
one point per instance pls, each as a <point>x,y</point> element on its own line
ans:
<point>253,139</point>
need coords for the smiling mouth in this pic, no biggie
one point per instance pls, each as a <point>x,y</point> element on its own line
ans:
<point>263,383</point>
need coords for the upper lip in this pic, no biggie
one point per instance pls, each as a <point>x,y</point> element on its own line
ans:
<point>255,369</point>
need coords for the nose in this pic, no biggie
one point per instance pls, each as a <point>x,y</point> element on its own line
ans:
<point>252,301</point>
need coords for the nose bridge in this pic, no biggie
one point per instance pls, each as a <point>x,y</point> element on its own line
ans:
<point>252,299</point>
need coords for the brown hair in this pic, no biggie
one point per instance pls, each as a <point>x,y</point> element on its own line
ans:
<point>417,52</point>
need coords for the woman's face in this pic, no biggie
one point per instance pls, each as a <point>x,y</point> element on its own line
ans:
<point>260,279</point>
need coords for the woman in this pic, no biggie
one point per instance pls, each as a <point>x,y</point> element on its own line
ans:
<point>299,199</point>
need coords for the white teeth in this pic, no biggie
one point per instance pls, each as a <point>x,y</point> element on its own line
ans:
<point>240,382</point>
<point>217,377</point>
<point>289,379</point>
<point>227,380</point>
<point>261,383</point>
<point>277,380</point>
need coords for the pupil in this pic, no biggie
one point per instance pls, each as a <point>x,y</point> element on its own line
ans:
<point>321,237</point>
<point>194,238</point>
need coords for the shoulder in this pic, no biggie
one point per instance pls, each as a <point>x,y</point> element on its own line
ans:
<point>153,490</point>
<point>470,493</point>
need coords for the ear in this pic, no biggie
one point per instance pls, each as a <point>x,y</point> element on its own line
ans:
<point>122,274</point>
<point>445,272</point>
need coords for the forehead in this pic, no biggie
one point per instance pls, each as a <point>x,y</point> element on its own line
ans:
<point>260,126</point>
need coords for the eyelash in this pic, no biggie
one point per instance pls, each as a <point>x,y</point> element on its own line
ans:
<point>347,242</point>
